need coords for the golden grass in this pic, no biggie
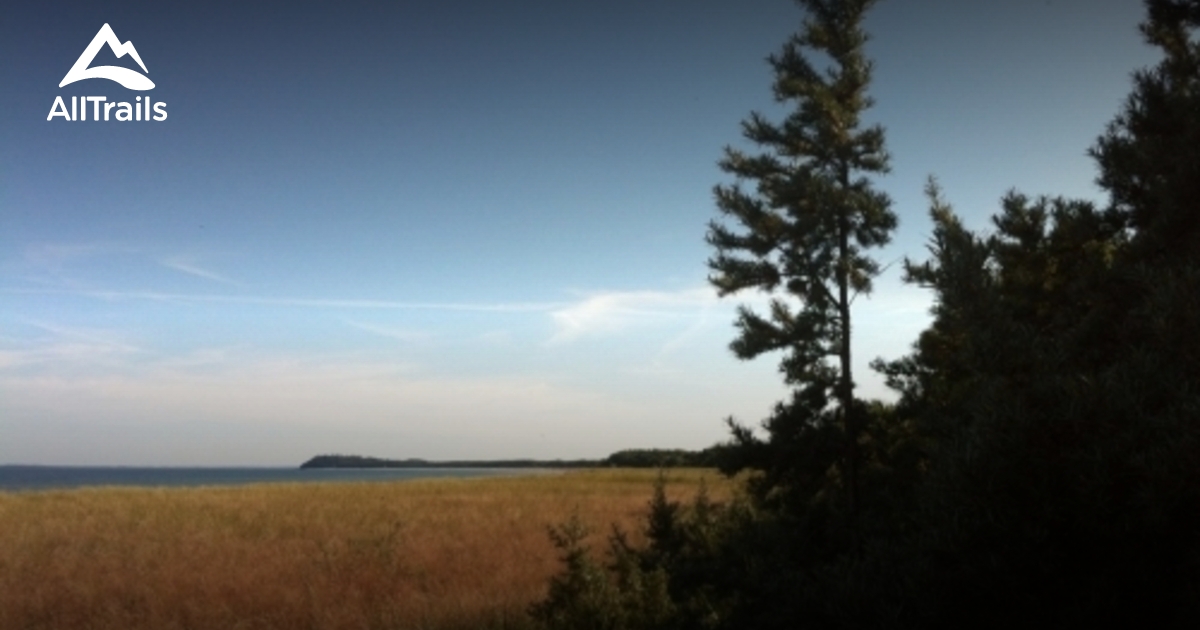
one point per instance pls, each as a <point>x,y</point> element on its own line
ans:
<point>444,553</point>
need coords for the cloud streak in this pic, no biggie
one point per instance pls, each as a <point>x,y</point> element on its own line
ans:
<point>616,311</point>
<point>397,334</point>
<point>91,337</point>
<point>66,346</point>
<point>56,254</point>
<point>184,265</point>
<point>318,303</point>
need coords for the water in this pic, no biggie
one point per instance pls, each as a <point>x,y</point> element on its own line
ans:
<point>14,478</point>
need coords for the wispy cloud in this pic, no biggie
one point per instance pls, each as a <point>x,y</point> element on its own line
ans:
<point>322,303</point>
<point>66,346</point>
<point>189,266</point>
<point>614,311</point>
<point>95,338</point>
<point>399,334</point>
<point>201,358</point>
<point>57,264</point>
<point>54,254</point>
<point>56,258</point>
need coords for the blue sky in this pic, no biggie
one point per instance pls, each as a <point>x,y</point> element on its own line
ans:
<point>458,228</point>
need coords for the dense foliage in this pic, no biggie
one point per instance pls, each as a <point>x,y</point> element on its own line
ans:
<point>1042,465</point>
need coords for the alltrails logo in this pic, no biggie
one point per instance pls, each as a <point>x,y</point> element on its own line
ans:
<point>102,108</point>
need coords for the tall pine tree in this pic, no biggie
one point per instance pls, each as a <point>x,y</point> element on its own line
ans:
<point>801,236</point>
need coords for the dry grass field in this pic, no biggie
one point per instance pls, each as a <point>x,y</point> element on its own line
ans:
<point>444,553</point>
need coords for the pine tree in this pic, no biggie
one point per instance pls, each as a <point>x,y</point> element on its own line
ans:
<point>1149,157</point>
<point>801,236</point>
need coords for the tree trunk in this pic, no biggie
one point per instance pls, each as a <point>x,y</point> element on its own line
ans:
<point>845,387</point>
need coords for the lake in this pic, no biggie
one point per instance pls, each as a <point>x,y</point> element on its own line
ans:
<point>13,478</point>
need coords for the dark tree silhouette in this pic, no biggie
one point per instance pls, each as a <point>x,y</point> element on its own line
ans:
<point>1042,466</point>
<point>803,233</point>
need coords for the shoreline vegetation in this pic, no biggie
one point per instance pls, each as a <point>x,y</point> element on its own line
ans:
<point>427,553</point>
<point>629,458</point>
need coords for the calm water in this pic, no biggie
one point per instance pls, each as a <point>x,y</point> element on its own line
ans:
<point>56,477</point>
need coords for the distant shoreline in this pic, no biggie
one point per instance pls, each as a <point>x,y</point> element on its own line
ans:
<point>356,461</point>
<point>630,458</point>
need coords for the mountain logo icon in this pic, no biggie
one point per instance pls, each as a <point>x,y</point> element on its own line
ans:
<point>126,77</point>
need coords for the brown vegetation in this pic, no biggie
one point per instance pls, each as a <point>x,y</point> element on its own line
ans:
<point>446,553</point>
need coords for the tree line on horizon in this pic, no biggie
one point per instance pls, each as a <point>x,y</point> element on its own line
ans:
<point>1042,463</point>
<point>627,458</point>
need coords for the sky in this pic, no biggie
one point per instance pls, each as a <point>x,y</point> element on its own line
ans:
<point>458,228</point>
